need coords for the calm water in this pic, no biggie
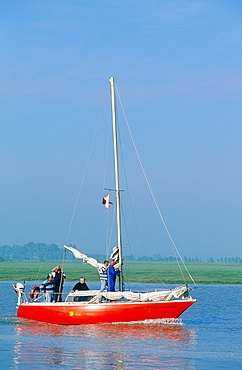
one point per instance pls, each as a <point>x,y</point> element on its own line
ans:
<point>208,337</point>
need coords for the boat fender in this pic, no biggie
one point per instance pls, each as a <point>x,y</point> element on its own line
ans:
<point>34,292</point>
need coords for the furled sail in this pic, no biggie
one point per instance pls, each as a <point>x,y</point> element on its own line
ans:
<point>93,261</point>
<point>115,256</point>
<point>82,256</point>
<point>180,292</point>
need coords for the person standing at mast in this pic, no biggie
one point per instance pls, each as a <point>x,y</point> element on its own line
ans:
<point>112,276</point>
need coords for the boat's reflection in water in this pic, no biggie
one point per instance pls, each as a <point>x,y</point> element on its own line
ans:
<point>119,346</point>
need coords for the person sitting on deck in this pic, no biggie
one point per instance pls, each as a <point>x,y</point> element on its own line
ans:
<point>81,285</point>
<point>48,287</point>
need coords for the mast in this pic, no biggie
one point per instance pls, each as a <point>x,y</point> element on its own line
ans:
<point>116,175</point>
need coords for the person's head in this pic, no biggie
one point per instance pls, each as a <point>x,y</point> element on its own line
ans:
<point>49,277</point>
<point>106,263</point>
<point>112,262</point>
<point>58,271</point>
<point>82,280</point>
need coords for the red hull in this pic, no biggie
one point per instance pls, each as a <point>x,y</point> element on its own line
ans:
<point>76,314</point>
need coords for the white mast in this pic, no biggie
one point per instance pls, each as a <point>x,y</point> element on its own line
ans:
<point>116,175</point>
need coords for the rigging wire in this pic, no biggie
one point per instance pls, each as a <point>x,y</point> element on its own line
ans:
<point>111,233</point>
<point>132,211</point>
<point>38,273</point>
<point>85,169</point>
<point>153,197</point>
<point>106,158</point>
<point>155,273</point>
<point>107,249</point>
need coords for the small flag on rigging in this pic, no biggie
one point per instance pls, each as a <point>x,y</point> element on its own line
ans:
<point>105,201</point>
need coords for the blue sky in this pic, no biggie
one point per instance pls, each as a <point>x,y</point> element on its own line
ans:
<point>177,65</point>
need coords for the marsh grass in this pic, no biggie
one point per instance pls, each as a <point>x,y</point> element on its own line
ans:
<point>136,272</point>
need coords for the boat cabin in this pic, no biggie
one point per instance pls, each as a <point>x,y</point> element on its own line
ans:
<point>81,296</point>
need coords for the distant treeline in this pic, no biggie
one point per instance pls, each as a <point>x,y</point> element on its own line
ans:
<point>186,259</point>
<point>31,251</point>
<point>50,252</point>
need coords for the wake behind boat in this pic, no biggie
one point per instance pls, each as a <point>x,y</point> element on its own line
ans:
<point>95,307</point>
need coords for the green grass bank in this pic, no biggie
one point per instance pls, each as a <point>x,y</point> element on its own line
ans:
<point>134,271</point>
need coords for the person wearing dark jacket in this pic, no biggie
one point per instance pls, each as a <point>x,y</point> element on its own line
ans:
<point>48,287</point>
<point>81,285</point>
<point>112,276</point>
<point>58,281</point>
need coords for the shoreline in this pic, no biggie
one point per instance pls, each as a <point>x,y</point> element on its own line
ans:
<point>134,272</point>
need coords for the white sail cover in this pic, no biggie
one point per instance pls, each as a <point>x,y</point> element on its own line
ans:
<point>181,292</point>
<point>115,255</point>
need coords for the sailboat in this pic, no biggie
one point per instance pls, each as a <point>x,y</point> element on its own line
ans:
<point>100,307</point>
